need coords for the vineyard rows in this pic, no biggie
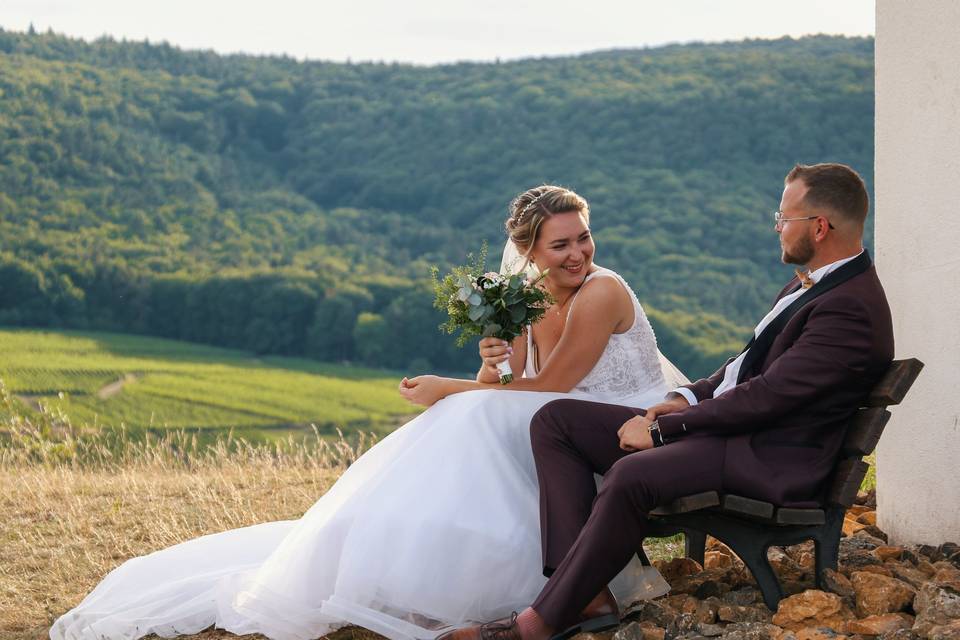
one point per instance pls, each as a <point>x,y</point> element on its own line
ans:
<point>179,385</point>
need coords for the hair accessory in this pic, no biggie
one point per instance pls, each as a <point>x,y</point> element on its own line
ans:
<point>529,206</point>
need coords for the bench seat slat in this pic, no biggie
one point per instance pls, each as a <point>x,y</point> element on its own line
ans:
<point>743,506</point>
<point>686,504</point>
<point>800,516</point>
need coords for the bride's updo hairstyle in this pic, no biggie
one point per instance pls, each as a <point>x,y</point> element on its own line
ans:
<point>529,209</point>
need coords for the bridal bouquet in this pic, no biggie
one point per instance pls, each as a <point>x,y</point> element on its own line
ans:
<point>489,304</point>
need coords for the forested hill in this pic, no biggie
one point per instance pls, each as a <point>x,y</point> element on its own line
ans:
<point>295,207</point>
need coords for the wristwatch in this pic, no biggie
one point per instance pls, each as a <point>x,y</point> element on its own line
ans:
<point>655,434</point>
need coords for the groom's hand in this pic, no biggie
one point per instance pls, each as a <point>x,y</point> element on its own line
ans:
<point>635,434</point>
<point>674,403</point>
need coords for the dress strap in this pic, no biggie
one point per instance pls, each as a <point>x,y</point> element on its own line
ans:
<point>585,280</point>
<point>530,366</point>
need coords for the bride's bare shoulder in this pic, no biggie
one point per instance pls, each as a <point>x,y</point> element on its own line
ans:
<point>604,290</point>
<point>604,280</point>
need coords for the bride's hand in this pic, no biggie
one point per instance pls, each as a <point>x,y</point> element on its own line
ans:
<point>494,351</point>
<point>423,390</point>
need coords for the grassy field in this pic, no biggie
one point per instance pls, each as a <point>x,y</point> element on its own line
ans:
<point>139,382</point>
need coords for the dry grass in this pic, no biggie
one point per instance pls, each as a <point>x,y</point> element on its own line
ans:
<point>63,529</point>
<point>77,502</point>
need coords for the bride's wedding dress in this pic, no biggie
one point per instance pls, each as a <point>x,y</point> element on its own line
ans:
<point>436,525</point>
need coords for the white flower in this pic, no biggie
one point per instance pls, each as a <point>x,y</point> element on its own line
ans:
<point>492,279</point>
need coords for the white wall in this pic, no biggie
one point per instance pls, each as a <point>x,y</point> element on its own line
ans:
<point>917,189</point>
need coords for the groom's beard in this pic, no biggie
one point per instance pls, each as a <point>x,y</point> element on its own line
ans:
<point>801,253</point>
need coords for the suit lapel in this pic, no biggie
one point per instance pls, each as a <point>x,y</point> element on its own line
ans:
<point>758,346</point>
<point>790,287</point>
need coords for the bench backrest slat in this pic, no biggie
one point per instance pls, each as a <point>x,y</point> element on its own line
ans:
<point>864,431</point>
<point>846,481</point>
<point>895,383</point>
<point>866,428</point>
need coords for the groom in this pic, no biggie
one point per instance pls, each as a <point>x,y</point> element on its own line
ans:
<point>767,425</point>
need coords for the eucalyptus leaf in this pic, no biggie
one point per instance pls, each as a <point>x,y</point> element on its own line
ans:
<point>475,313</point>
<point>491,329</point>
<point>475,299</point>
<point>518,313</point>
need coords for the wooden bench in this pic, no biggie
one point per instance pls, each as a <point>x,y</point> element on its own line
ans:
<point>750,527</point>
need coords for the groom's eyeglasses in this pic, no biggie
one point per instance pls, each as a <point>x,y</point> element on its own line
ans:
<point>778,220</point>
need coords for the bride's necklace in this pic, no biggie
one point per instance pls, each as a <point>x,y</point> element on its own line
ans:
<point>558,308</point>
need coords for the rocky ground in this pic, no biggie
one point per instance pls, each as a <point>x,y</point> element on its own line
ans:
<point>879,591</point>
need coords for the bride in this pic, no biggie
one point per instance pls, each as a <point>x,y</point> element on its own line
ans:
<point>438,524</point>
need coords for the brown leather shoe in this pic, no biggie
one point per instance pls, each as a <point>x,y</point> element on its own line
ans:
<point>504,629</point>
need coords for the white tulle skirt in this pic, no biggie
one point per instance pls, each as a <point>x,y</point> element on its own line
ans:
<point>435,526</point>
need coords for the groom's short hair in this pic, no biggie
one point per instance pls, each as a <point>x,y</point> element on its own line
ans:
<point>833,186</point>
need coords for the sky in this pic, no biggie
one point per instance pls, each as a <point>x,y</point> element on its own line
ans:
<point>435,31</point>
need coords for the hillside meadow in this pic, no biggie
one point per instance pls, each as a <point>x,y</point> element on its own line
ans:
<point>142,383</point>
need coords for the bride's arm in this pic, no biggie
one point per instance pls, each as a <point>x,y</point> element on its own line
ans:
<point>601,306</point>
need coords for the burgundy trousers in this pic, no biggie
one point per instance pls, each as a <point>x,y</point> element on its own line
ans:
<point>589,537</point>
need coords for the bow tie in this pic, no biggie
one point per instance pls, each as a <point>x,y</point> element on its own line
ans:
<point>805,281</point>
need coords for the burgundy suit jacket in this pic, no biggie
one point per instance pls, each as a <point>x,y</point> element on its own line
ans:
<point>786,420</point>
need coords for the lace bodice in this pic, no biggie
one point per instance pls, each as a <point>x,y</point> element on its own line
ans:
<point>629,364</point>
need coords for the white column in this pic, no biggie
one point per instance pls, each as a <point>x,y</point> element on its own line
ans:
<point>917,187</point>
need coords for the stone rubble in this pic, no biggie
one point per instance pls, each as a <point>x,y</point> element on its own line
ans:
<point>879,591</point>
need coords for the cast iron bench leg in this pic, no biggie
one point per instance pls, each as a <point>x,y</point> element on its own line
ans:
<point>642,554</point>
<point>754,555</point>
<point>743,538</point>
<point>695,544</point>
<point>827,544</point>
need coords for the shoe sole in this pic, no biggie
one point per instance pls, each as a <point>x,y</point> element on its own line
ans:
<point>593,625</point>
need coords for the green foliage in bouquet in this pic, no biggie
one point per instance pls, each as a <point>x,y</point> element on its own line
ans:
<point>488,304</point>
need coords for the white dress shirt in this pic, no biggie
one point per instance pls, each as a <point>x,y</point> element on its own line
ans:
<point>732,372</point>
